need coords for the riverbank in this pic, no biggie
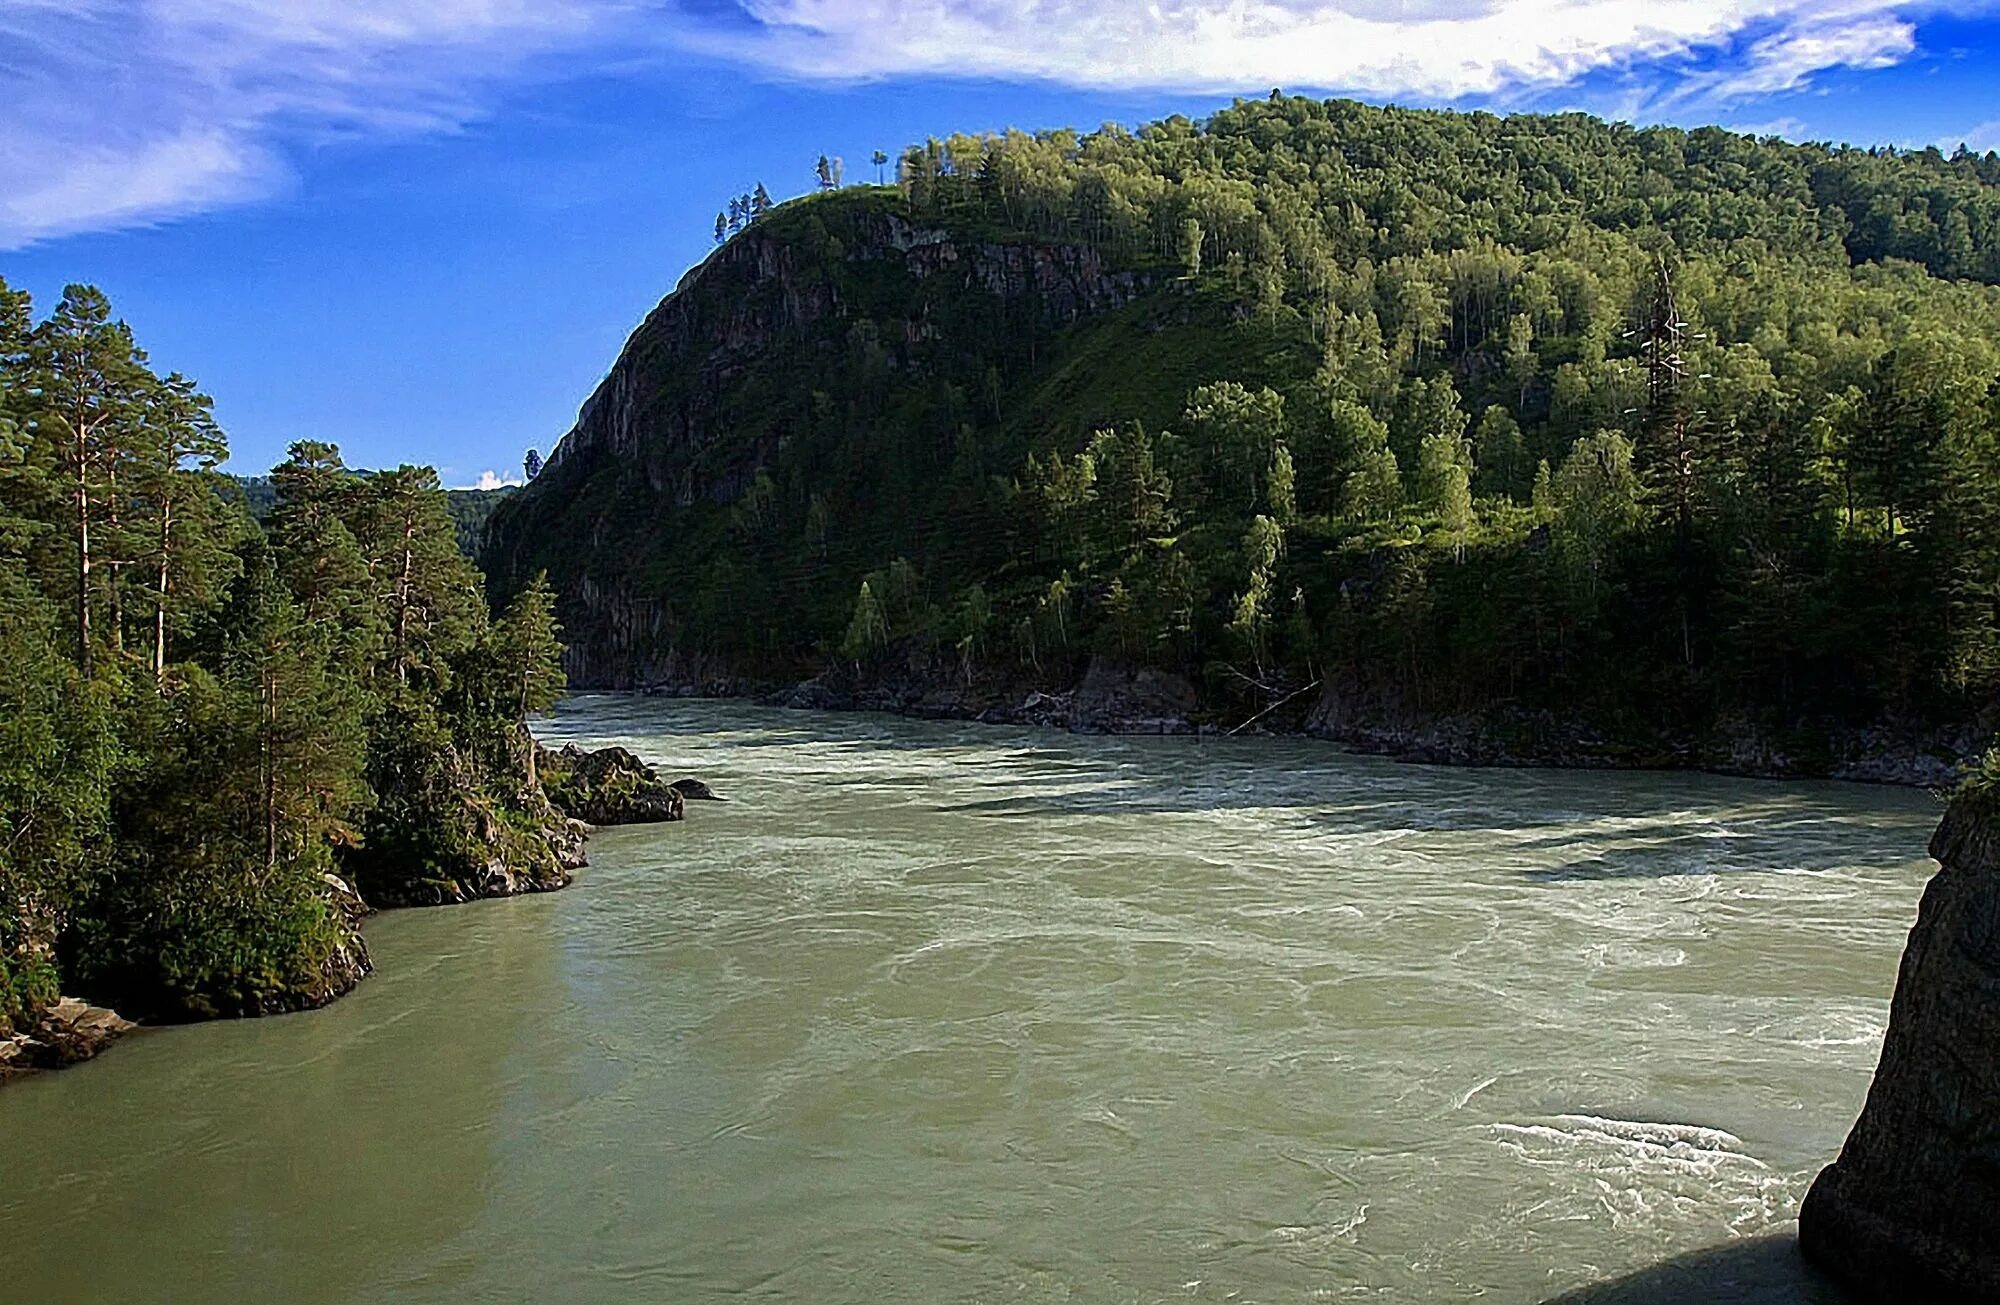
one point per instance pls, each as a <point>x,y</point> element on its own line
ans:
<point>586,791</point>
<point>67,1033</point>
<point>1114,699</point>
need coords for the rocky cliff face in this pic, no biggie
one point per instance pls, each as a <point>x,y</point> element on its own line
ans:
<point>1911,1209</point>
<point>666,400</point>
<point>770,359</point>
<point>1911,753</point>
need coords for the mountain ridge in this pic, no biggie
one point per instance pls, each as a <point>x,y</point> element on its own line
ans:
<point>1660,437</point>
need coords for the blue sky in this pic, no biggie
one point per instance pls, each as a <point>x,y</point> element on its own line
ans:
<point>423,229</point>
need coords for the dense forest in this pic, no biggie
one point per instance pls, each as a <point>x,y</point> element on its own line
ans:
<point>469,508</point>
<point>1668,438</point>
<point>221,742</point>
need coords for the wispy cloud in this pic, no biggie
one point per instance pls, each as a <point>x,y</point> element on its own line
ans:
<point>123,112</point>
<point>1429,48</point>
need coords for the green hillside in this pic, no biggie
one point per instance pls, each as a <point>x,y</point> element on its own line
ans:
<point>1678,441</point>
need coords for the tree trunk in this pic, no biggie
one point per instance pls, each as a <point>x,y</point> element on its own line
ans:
<point>82,550</point>
<point>403,601</point>
<point>269,746</point>
<point>115,615</point>
<point>165,583</point>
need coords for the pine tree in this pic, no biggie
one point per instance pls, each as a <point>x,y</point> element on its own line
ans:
<point>1455,511</point>
<point>89,376</point>
<point>1502,455</point>
<point>303,720</point>
<point>1438,458</point>
<point>1278,485</point>
<point>190,530</point>
<point>318,555</point>
<point>531,465</point>
<point>1374,491</point>
<point>868,628</point>
<point>428,592</point>
<point>1191,247</point>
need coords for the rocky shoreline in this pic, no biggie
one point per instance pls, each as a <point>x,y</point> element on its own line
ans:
<point>610,786</point>
<point>1114,699</point>
<point>1908,1212</point>
<point>67,1033</point>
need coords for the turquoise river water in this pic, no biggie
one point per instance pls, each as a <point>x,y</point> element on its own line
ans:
<point>935,1012</point>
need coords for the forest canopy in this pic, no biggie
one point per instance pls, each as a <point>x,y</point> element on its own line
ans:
<point>1676,435</point>
<point>216,730</point>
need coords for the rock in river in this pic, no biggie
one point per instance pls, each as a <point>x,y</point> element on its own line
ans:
<point>607,787</point>
<point>696,791</point>
<point>65,1033</point>
<point>1911,1209</point>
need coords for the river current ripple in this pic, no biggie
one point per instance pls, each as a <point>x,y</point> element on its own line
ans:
<point>938,1012</point>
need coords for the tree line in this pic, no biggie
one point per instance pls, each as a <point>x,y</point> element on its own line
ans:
<point>216,730</point>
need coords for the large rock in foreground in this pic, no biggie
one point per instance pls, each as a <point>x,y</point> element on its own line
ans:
<point>66,1033</point>
<point>610,786</point>
<point>1911,1209</point>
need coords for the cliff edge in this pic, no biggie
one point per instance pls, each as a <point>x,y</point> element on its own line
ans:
<point>1911,1209</point>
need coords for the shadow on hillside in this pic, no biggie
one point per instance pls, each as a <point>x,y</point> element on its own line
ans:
<point>1756,1271</point>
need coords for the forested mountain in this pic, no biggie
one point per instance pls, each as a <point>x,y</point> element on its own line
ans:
<point>213,733</point>
<point>1642,444</point>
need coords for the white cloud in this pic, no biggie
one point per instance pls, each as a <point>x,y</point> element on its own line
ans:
<point>1980,139</point>
<point>490,479</point>
<point>122,112</point>
<point>1427,49</point>
<point>1789,59</point>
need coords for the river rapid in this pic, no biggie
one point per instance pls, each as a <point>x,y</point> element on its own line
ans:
<point>944,1012</point>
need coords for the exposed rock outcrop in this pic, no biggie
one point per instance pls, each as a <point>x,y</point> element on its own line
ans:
<point>695,790</point>
<point>610,786</point>
<point>1911,1209</point>
<point>1121,699</point>
<point>66,1033</point>
<point>669,426</point>
<point>1111,698</point>
<point>452,826</point>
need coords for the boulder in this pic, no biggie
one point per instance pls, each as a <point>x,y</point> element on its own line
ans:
<point>607,787</point>
<point>696,791</point>
<point>65,1033</point>
<point>1119,699</point>
<point>1911,1209</point>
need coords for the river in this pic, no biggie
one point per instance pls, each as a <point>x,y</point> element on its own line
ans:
<point>939,1012</point>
